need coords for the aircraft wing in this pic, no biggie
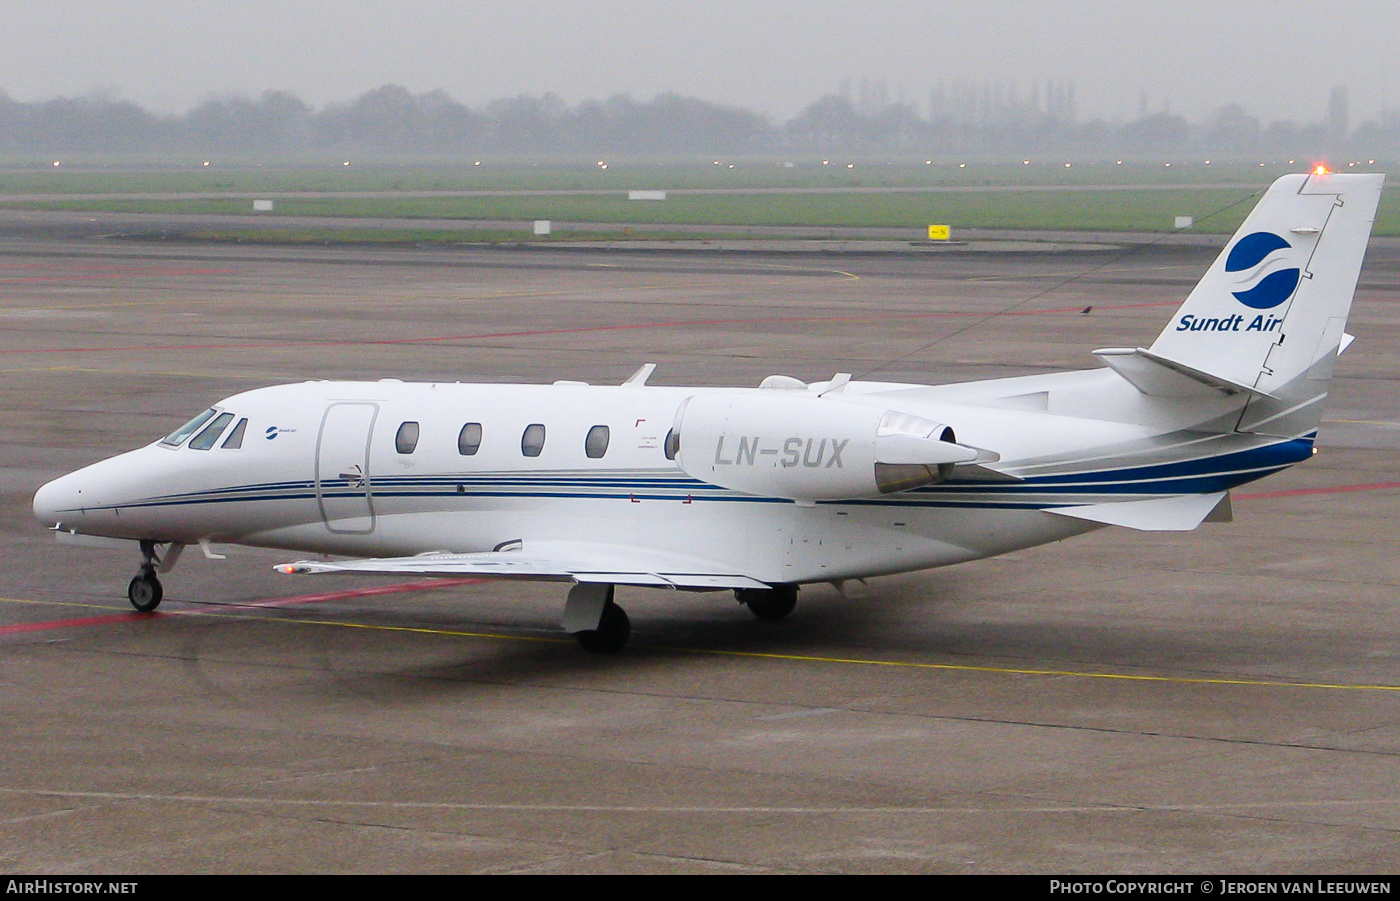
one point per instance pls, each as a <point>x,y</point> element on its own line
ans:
<point>555,562</point>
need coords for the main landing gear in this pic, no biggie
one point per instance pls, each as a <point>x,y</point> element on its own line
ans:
<point>768,603</point>
<point>599,624</point>
<point>602,627</point>
<point>611,635</point>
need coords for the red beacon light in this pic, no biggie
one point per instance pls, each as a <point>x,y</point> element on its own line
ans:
<point>1320,169</point>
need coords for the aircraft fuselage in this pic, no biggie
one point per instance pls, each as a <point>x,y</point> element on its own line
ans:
<point>326,467</point>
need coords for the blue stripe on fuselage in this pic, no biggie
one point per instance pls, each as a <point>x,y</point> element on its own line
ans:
<point>1201,475</point>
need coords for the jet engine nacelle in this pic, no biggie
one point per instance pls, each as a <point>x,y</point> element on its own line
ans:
<point>810,447</point>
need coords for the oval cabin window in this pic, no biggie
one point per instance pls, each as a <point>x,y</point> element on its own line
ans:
<point>596,444</point>
<point>407,439</point>
<point>532,442</point>
<point>469,439</point>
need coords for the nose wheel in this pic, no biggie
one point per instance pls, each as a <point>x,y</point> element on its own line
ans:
<point>145,591</point>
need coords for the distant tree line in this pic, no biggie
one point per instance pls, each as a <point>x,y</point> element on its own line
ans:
<point>974,118</point>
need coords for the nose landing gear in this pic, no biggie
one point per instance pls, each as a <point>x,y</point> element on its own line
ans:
<point>145,591</point>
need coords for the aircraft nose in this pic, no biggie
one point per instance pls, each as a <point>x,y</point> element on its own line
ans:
<point>58,500</point>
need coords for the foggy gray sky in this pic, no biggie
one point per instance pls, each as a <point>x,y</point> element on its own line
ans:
<point>1277,58</point>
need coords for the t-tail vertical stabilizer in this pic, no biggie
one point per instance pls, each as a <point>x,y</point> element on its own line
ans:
<point>1268,318</point>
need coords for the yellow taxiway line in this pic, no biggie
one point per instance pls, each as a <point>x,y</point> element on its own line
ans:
<point>763,655</point>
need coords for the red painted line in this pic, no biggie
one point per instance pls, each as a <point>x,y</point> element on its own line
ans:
<point>1299,492</point>
<point>75,623</point>
<point>539,333</point>
<point>111,618</point>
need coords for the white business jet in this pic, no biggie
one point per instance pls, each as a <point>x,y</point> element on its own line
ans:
<point>759,490</point>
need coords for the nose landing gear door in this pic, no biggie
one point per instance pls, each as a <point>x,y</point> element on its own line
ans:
<point>343,488</point>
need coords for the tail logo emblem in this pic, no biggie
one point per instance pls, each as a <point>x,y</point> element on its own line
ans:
<point>1250,254</point>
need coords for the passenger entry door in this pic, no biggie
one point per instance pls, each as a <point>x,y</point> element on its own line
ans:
<point>343,488</point>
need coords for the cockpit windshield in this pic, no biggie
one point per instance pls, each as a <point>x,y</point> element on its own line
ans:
<point>205,439</point>
<point>177,437</point>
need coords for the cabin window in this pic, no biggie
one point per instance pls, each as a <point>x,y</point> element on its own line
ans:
<point>469,439</point>
<point>672,445</point>
<point>235,438</point>
<point>407,438</point>
<point>188,429</point>
<point>205,439</point>
<point>596,444</point>
<point>532,442</point>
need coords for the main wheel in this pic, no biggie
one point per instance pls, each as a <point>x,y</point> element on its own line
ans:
<point>768,603</point>
<point>145,592</point>
<point>611,635</point>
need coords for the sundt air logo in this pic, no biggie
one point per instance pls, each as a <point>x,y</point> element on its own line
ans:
<point>1263,286</point>
<point>1250,255</point>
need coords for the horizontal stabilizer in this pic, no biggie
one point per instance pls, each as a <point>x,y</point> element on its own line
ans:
<point>1158,376</point>
<point>557,563</point>
<point>1163,514</point>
